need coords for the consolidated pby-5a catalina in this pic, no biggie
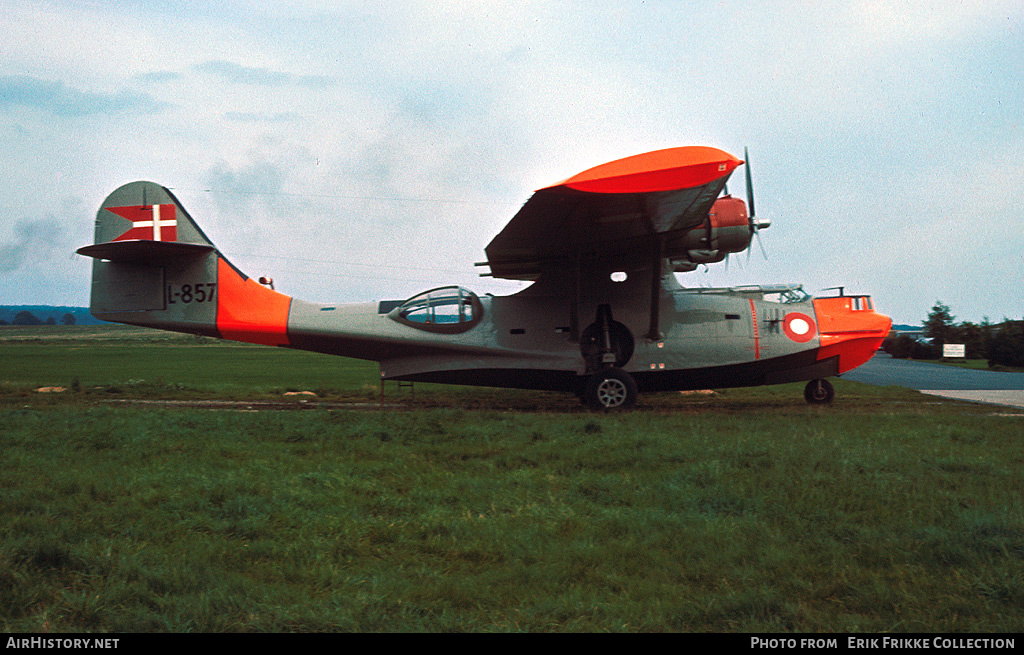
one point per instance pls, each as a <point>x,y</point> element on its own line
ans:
<point>604,317</point>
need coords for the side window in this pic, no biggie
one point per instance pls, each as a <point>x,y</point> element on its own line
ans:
<point>446,310</point>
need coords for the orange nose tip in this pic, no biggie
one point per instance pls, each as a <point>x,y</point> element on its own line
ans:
<point>850,328</point>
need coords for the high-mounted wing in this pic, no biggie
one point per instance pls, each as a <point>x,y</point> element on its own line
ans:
<point>618,209</point>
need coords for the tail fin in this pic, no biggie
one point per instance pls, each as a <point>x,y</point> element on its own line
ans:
<point>154,267</point>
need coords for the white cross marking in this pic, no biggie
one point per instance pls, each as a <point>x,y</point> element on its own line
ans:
<point>156,223</point>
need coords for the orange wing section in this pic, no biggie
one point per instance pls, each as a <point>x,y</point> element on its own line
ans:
<point>612,211</point>
<point>660,170</point>
<point>248,311</point>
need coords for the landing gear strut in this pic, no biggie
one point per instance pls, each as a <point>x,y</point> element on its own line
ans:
<point>606,342</point>
<point>819,392</point>
<point>607,346</point>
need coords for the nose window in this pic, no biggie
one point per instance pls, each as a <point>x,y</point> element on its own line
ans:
<point>861,303</point>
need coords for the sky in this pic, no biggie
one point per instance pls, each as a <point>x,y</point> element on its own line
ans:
<point>360,151</point>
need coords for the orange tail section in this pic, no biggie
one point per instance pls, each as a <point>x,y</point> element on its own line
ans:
<point>248,311</point>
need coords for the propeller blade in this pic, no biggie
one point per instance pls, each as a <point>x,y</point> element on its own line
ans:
<point>750,186</point>
<point>757,237</point>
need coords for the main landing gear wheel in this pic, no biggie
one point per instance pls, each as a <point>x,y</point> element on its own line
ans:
<point>819,392</point>
<point>610,389</point>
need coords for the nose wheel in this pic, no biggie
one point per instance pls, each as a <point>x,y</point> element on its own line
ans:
<point>819,392</point>
<point>610,389</point>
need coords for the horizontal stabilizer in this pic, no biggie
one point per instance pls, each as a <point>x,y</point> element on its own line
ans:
<point>138,251</point>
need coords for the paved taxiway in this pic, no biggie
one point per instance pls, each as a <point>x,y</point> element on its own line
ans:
<point>947,381</point>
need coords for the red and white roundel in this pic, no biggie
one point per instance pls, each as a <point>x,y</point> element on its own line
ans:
<point>799,327</point>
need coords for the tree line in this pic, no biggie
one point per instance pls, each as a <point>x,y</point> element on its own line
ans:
<point>26,317</point>
<point>1002,344</point>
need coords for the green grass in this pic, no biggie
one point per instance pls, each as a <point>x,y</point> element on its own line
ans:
<point>977,365</point>
<point>140,363</point>
<point>747,510</point>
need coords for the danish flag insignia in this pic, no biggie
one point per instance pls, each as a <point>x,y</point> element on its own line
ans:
<point>149,222</point>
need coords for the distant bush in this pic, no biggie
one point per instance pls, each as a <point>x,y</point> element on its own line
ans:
<point>903,346</point>
<point>899,347</point>
<point>921,350</point>
<point>1007,346</point>
<point>26,317</point>
<point>975,338</point>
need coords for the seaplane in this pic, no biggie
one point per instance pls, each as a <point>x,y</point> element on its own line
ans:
<point>605,316</point>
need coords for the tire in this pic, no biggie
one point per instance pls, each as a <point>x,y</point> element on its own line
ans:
<point>609,390</point>
<point>819,392</point>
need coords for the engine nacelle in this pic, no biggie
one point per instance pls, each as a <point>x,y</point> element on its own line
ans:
<point>728,228</point>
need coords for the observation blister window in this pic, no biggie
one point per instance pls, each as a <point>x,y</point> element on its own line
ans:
<point>446,310</point>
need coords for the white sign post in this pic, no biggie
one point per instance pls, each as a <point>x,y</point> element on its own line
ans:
<point>954,350</point>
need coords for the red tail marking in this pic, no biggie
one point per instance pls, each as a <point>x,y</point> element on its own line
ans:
<point>149,222</point>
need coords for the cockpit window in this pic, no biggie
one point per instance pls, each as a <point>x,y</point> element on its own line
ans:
<point>786,295</point>
<point>448,310</point>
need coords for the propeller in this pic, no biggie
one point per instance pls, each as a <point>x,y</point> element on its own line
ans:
<point>750,187</point>
<point>756,224</point>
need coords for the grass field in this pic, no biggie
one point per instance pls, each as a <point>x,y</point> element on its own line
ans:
<point>480,510</point>
<point>977,365</point>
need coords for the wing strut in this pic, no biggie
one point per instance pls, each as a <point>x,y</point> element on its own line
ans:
<point>574,308</point>
<point>657,256</point>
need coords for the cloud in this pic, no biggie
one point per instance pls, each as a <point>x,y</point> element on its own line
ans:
<point>159,76</point>
<point>259,178</point>
<point>261,117</point>
<point>258,76</point>
<point>63,100</point>
<point>244,195</point>
<point>34,241</point>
